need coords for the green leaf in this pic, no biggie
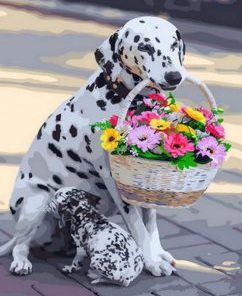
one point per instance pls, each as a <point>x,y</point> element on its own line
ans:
<point>227,146</point>
<point>102,125</point>
<point>186,161</point>
<point>172,98</point>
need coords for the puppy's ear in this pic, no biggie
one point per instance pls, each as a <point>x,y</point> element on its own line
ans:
<point>182,46</point>
<point>107,55</point>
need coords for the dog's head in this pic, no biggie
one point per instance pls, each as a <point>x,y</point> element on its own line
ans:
<point>147,47</point>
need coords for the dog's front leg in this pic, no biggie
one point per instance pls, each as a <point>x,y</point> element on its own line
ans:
<point>167,261</point>
<point>146,239</point>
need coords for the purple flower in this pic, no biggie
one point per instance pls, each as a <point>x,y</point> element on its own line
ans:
<point>144,137</point>
<point>210,147</point>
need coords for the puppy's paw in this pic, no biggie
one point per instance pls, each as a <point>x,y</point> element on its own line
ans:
<point>70,268</point>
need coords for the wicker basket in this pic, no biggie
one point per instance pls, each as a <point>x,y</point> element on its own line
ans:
<point>154,183</point>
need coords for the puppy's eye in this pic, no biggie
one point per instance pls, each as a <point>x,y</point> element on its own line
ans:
<point>145,47</point>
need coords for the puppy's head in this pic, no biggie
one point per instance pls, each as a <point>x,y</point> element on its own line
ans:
<point>67,200</point>
<point>147,47</point>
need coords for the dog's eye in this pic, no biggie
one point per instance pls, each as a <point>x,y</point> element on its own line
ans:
<point>146,48</point>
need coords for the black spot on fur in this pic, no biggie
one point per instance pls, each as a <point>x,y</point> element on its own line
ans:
<point>73,131</point>
<point>110,94</point>
<point>30,175</point>
<point>19,201</point>
<point>82,175</point>
<point>93,129</point>
<point>157,39</point>
<point>87,140</point>
<point>100,167</point>
<point>112,41</point>
<point>87,161</point>
<point>43,187</point>
<point>12,210</point>
<point>56,133</point>
<point>22,175</point>
<point>178,34</point>
<point>158,52</point>
<point>90,87</point>
<point>100,81</point>
<point>81,111</point>
<point>55,150</point>
<point>136,38</point>
<point>116,100</point>
<point>126,207</point>
<point>71,169</point>
<point>101,185</point>
<point>99,56</point>
<point>101,104</point>
<point>164,58</point>
<point>136,60</point>
<point>57,179</point>
<point>58,118</point>
<point>163,64</point>
<point>126,34</point>
<point>89,149</point>
<point>142,21</point>
<point>144,68</point>
<point>146,39</point>
<point>39,135</point>
<point>94,173</point>
<point>73,155</point>
<point>152,79</point>
<point>72,108</point>
<point>108,68</point>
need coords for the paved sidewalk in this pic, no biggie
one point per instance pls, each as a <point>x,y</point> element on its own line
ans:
<point>48,56</point>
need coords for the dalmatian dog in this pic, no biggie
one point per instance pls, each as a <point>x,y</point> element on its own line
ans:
<point>67,153</point>
<point>114,255</point>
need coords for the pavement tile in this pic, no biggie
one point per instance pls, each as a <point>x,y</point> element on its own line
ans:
<point>7,223</point>
<point>183,241</point>
<point>229,262</point>
<point>224,287</point>
<point>191,291</point>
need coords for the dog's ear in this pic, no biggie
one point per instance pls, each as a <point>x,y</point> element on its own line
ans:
<point>182,46</point>
<point>107,55</point>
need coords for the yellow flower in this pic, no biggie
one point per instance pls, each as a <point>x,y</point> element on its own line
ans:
<point>175,107</point>
<point>194,114</point>
<point>110,139</point>
<point>159,124</point>
<point>185,129</point>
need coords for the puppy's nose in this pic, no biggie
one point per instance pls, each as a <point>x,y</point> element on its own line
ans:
<point>173,78</point>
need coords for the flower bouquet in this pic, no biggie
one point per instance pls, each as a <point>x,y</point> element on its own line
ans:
<point>164,153</point>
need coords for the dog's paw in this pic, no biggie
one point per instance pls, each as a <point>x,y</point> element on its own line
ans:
<point>162,264</point>
<point>70,268</point>
<point>21,266</point>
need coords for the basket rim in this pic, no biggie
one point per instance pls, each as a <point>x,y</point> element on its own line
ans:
<point>199,165</point>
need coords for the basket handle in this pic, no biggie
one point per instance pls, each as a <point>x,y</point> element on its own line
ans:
<point>138,88</point>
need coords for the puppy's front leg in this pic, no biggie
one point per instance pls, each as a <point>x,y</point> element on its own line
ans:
<point>76,263</point>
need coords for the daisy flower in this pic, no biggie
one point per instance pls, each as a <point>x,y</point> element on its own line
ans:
<point>216,130</point>
<point>110,139</point>
<point>194,114</point>
<point>159,124</point>
<point>177,145</point>
<point>144,138</point>
<point>209,147</point>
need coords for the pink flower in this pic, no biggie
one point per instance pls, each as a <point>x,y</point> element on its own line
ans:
<point>147,116</point>
<point>148,102</point>
<point>144,137</point>
<point>113,120</point>
<point>160,98</point>
<point>177,145</point>
<point>207,113</point>
<point>209,147</point>
<point>215,130</point>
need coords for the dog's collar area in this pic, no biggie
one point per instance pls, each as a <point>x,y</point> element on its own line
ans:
<point>117,86</point>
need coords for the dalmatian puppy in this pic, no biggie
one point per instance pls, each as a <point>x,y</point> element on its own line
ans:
<point>67,153</point>
<point>114,255</point>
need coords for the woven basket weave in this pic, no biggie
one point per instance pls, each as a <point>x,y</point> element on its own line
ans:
<point>153,183</point>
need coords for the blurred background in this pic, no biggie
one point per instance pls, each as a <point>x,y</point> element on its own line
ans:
<point>47,54</point>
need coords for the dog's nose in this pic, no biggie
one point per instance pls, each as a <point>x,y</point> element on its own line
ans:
<point>173,78</point>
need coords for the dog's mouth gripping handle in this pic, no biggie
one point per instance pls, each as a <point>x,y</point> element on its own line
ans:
<point>138,88</point>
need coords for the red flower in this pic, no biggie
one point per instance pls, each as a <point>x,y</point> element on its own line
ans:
<point>160,98</point>
<point>113,120</point>
<point>216,130</point>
